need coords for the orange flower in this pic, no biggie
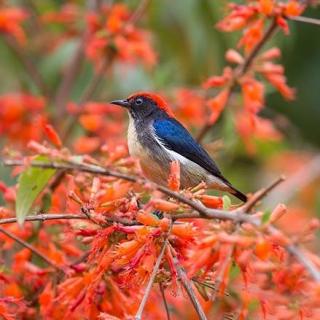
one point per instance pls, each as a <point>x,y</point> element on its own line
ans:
<point>52,135</point>
<point>293,8</point>
<point>252,35</point>
<point>266,6</point>
<point>238,18</point>
<point>10,23</point>
<point>219,81</point>
<point>164,205</point>
<point>86,144</point>
<point>184,230</point>
<point>211,201</point>
<point>174,176</point>
<point>217,104</point>
<point>147,219</point>
<point>91,122</point>
<point>234,57</point>
<point>263,249</point>
<point>118,15</point>
<point>253,94</point>
<point>279,82</point>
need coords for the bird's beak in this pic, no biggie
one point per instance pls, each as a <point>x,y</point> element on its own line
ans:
<point>121,103</point>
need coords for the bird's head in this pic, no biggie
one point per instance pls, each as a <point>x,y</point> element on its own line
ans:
<point>144,104</point>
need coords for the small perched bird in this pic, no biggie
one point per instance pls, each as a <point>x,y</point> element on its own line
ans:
<point>156,138</point>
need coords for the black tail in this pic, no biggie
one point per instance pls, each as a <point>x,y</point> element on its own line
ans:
<point>238,194</point>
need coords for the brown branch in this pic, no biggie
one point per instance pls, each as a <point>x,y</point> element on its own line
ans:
<point>28,65</point>
<point>47,217</point>
<point>248,206</point>
<point>70,75</point>
<point>138,13</point>
<point>153,276</point>
<point>74,68</point>
<point>242,69</point>
<point>201,211</point>
<point>255,51</point>
<point>306,20</point>
<point>107,172</point>
<point>68,216</point>
<point>296,182</point>
<point>31,248</point>
<point>188,287</point>
<point>165,302</point>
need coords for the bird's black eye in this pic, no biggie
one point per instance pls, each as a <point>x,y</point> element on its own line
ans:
<point>139,102</point>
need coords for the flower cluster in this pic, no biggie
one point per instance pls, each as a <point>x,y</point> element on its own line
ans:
<point>252,68</point>
<point>22,117</point>
<point>112,32</point>
<point>10,23</point>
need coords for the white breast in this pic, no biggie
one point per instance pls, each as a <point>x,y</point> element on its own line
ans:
<point>158,171</point>
<point>135,148</point>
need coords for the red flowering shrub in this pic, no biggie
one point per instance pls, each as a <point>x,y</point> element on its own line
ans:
<point>84,235</point>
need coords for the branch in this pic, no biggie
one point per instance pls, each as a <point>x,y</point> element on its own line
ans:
<point>165,302</point>
<point>242,69</point>
<point>295,251</point>
<point>153,276</point>
<point>138,13</point>
<point>296,182</point>
<point>31,248</point>
<point>255,51</point>
<point>74,68</point>
<point>247,207</point>
<point>200,210</point>
<point>188,287</point>
<point>67,216</point>
<point>306,20</point>
<point>107,172</point>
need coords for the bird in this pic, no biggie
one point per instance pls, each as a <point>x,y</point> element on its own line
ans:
<point>156,138</point>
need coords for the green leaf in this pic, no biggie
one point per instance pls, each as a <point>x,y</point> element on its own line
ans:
<point>31,182</point>
<point>226,202</point>
<point>266,216</point>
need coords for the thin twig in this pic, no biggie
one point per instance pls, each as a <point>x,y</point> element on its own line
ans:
<point>295,251</point>
<point>255,51</point>
<point>74,68</point>
<point>153,276</point>
<point>306,20</point>
<point>31,248</point>
<point>188,287</point>
<point>67,216</point>
<point>165,302</point>
<point>296,182</point>
<point>139,11</point>
<point>242,69</point>
<point>247,207</point>
<point>69,77</point>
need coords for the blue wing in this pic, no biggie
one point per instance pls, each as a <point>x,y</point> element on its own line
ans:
<point>176,138</point>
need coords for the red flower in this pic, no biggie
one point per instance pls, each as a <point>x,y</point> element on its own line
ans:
<point>10,23</point>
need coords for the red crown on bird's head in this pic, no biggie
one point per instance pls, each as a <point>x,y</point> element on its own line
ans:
<point>159,101</point>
